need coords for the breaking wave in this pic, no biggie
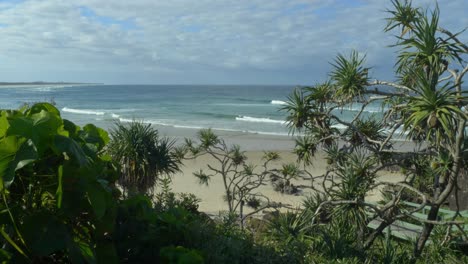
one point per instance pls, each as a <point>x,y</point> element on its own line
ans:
<point>82,111</point>
<point>259,120</point>
<point>278,102</point>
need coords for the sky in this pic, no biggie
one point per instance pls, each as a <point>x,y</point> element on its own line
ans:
<point>197,42</point>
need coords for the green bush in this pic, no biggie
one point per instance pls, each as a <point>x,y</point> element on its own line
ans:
<point>58,193</point>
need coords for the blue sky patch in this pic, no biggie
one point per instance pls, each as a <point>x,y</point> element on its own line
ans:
<point>127,24</point>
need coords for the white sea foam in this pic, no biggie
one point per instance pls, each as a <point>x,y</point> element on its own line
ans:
<point>339,126</point>
<point>259,120</point>
<point>118,110</point>
<point>161,123</point>
<point>240,105</point>
<point>125,120</point>
<point>153,122</point>
<point>44,89</point>
<point>191,127</point>
<point>278,102</point>
<point>115,116</point>
<point>82,111</point>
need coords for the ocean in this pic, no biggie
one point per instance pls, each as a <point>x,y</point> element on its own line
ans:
<point>254,109</point>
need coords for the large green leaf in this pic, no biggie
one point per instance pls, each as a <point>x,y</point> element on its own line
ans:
<point>80,249</point>
<point>39,107</point>
<point>8,148</point>
<point>20,126</point>
<point>95,135</point>
<point>14,154</point>
<point>3,124</point>
<point>87,251</point>
<point>71,128</point>
<point>71,148</point>
<point>25,155</point>
<point>97,197</point>
<point>39,127</point>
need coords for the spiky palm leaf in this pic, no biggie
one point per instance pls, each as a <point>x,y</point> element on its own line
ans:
<point>424,48</point>
<point>349,76</point>
<point>403,15</point>
<point>320,93</point>
<point>369,128</point>
<point>142,155</point>
<point>208,138</point>
<point>290,227</point>
<point>297,109</point>
<point>334,155</point>
<point>356,178</point>
<point>433,112</point>
<point>305,149</point>
<point>290,171</point>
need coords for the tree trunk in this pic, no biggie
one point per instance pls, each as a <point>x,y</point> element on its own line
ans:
<point>371,238</point>
<point>387,220</point>
<point>426,232</point>
<point>460,192</point>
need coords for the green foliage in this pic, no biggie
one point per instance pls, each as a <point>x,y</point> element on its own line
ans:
<point>427,104</point>
<point>241,180</point>
<point>180,255</point>
<point>337,242</point>
<point>57,191</point>
<point>349,76</point>
<point>291,233</point>
<point>305,149</point>
<point>389,251</point>
<point>147,234</point>
<point>297,108</point>
<point>60,204</point>
<point>208,139</point>
<point>166,199</point>
<point>442,250</point>
<point>281,178</point>
<point>424,48</point>
<point>432,114</point>
<point>403,15</point>
<point>365,132</point>
<point>143,156</point>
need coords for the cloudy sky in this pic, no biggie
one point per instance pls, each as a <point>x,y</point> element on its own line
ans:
<point>196,42</point>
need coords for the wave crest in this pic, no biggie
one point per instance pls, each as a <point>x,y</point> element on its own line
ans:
<point>82,111</point>
<point>259,120</point>
<point>277,102</point>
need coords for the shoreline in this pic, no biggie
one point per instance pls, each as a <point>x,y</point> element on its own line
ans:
<point>246,140</point>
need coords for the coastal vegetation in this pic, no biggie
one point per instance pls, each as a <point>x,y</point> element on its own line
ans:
<point>241,180</point>
<point>142,155</point>
<point>426,108</point>
<point>72,194</point>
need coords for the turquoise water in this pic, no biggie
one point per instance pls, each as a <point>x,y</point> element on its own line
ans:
<point>253,109</point>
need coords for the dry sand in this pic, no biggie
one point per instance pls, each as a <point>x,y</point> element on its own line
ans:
<point>212,196</point>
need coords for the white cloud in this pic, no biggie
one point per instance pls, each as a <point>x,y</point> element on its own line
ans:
<point>206,41</point>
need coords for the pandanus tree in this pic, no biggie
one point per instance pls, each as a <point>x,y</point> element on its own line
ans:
<point>241,180</point>
<point>142,154</point>
<point>426,106</point>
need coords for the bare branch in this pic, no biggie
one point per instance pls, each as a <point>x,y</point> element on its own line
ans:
<point>391,84</point>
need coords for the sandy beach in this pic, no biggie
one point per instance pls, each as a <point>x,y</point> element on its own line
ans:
<point>253,144</point>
